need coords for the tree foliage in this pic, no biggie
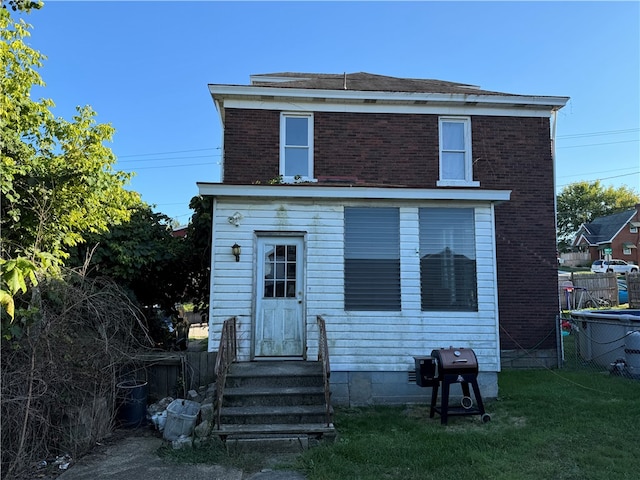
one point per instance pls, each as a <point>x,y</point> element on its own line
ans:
<point>582,202</point>
<point>58,180</point>
<point>198,259</point>
<point>141,255</point>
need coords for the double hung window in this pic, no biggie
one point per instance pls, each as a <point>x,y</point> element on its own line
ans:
<point>455,152</point>
<point>448,279</point>
<point>296,147</point>
<point>372,259</point>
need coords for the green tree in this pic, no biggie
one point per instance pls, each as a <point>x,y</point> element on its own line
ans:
<point>198,259</point>
<point>582,202</point>
<point>141,255</point>
<point>58,180</point>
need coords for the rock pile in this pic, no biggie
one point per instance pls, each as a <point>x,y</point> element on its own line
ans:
<point>188,429</point>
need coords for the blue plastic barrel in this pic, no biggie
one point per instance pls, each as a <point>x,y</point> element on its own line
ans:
<point>131,397</point>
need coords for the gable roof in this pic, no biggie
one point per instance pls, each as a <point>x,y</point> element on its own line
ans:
<point>604,229</point>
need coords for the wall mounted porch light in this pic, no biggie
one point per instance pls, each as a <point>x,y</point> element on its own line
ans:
<point>236,250</point>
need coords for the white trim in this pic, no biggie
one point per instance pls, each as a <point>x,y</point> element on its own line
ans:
<point>211,345</point>
<point>468,167</point>
<point>403,97</point>
<point>494,249</point>
<point>309,146</point>
<point>220,190</point>
<point>444,108</point>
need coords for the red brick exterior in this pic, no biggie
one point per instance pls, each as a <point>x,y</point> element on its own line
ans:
<point>625,236</point>
<point>617,243</point>
<point>509,153</point>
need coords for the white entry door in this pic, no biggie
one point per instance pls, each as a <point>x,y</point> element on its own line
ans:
<point>279,325</point>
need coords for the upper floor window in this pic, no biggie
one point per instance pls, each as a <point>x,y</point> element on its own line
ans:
<point>296,146</point>
<point>455,152</point>
<point>633,228</point>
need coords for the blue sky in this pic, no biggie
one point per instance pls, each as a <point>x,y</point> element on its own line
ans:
<point>144,67</point>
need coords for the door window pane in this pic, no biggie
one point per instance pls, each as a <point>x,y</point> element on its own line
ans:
<point>280,263</point>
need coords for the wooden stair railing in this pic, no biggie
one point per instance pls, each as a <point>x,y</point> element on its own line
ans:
<point>323,357</point>
<point>226,356</point>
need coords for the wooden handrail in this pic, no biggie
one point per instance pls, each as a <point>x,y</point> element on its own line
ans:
<point>323,357</point>
<point>226,356</point>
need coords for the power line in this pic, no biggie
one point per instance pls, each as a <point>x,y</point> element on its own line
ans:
<point>603,178</point>
<point>170,166</point>
<point>596,144</point>
<point>604,171</point>
<point>169,153</point>
<point>170,158</point>
<point>597,134</point>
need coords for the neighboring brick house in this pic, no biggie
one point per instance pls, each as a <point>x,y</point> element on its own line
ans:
<point>613,236</point>
<point>411,214</point>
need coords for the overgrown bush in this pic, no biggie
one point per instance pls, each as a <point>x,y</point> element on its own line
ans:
<point>59,377</point>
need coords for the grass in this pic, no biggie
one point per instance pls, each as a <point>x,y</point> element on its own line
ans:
<point>544,425</point>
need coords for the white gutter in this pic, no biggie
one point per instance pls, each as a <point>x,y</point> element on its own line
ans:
<point>346,96</point>
<point>219,190</point>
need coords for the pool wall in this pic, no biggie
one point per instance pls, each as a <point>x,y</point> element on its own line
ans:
<point>602,333</point>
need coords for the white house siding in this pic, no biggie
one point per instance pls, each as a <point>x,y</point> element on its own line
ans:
<point>371,352</point>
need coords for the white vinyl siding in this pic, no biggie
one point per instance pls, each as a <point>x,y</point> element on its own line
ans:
<point>296,147</point>
<point>372,259</point>
<point>367,341</point>
<point>456,168</point>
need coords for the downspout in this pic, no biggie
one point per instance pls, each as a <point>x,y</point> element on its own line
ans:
<point>211,346</point>
<point>558,319</point>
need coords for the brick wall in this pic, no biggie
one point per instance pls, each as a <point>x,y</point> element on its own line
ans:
<point>515,153</point>
<point>251,146</point>
<point>509,153</point>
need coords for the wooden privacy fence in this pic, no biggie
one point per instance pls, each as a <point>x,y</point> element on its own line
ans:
<point>600,285</point>
<point>173,374</point>
<point>633,288</point>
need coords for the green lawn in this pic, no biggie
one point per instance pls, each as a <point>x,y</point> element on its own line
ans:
<point>545,425</point>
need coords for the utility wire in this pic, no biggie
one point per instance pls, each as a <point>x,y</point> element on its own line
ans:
<point>596,144</point>
<point>170,158</point>
<point>597,134</point>
<point>170,166</point>
<point>168,153</point>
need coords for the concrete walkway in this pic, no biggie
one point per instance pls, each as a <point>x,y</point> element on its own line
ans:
<point>135,456</point>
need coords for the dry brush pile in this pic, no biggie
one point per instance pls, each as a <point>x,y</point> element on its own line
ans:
<point>59,378</point>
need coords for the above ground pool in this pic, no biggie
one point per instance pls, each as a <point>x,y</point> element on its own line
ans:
<point>601,334</point>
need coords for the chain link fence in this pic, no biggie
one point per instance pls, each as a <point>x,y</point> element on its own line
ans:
<point>606,341</point>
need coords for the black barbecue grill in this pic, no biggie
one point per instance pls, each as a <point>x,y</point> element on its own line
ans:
<point>444,367</point>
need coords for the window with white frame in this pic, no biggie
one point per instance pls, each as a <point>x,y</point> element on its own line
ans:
<point>372,259</point>
<point>456,167</point>
<point>626,250</point>
<point>296,146</point>
<point>448,278</point>
<point>633,228</point>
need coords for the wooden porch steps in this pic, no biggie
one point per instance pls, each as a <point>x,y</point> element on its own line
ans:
<point>274,405</point>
